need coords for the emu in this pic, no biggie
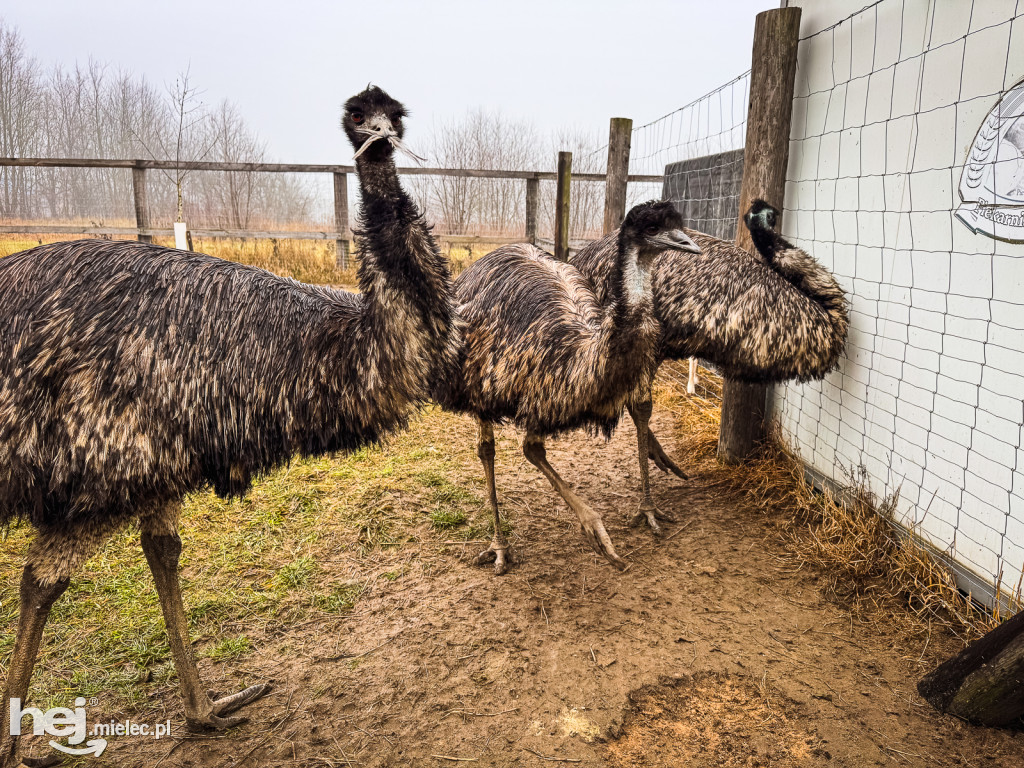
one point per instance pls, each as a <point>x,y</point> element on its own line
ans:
<point>132,374</point>
<point>539,351</point>
<point>772,319</point>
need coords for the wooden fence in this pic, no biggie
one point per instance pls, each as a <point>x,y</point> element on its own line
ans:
<point>341,233</point>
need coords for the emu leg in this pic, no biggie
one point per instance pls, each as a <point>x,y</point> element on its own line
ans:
<point>162,548</point>
<point>36,599</point>
<point>499,551</point>
<point>641,413</point>
<point>691,380</point>
<point>656,452</point>
<point>591,524</point>
<point>53,556</point>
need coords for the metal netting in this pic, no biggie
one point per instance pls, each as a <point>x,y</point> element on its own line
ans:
<point>907,141</point>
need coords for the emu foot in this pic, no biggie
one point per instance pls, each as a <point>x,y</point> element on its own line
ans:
<point>593,530</point>
<point>652,514</point>
<point>216,716</point>
<point>499,553</point>
<point>662,461</point>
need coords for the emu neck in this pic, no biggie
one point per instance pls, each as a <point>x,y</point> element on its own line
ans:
<point>378,177</point>
<point>407,316</point>
<point>630,289</point>
<point>766,241</point>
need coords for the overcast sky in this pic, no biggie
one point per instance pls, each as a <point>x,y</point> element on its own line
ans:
<point>288,66</point>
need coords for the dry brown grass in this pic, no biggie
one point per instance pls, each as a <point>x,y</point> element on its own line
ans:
<point>849,535</point>
<point>309,261</point>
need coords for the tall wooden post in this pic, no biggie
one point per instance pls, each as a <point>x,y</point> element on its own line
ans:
<point>532,196</point>
<point>562,206</point>
<point>341,219</point>
<point>141,203</point>
<point>619,135</point>
<point>765,158</point>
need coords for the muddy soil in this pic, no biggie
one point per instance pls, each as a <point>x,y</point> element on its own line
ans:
<point>711,649</point>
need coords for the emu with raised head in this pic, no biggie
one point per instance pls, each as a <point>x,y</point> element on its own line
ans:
<point>132,374</point>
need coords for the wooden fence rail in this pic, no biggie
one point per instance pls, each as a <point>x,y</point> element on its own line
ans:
<point>341,233</point>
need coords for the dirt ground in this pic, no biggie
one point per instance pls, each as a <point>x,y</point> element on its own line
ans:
<point>711,649</point>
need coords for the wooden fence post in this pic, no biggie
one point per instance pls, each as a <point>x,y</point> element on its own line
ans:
<point>619,135</point>
<point>341,219</point>
<point>562,181</point>
<point>532,196</point>
<point>141,203</point>
<point>765,158</point>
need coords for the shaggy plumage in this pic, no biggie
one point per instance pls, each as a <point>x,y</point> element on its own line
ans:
<point>131,374</point>
<point>779,317</point>
<point>541,351</point>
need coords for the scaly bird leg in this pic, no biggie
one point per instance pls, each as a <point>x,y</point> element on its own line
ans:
<point>162,547</point>
<point>499,551</point>
<point>641,414</point>
<point>52,557</point>
<point>692,380</point>
<point>656,453</point>
<point>591,524</point>
<point>37,598</point>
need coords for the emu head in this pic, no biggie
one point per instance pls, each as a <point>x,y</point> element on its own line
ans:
<point>761,216</point>
<point>654,227</point>
<point>372,120</point>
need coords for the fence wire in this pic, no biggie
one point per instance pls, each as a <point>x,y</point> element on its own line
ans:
<point>889,102</point>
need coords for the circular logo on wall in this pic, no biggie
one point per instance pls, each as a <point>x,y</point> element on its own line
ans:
<point>992,184</point>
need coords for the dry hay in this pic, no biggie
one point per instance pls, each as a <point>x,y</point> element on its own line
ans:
<point>712,719</point>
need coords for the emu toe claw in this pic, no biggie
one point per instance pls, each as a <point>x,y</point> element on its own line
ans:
<point>228,704</point>
<point>500,554</point>
<point>216,718</point>
<point>594,532</point>
<point>665,464</point>
<point>652,514</point>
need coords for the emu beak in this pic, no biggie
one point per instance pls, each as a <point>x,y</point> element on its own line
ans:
<point>676,240</point>
<point>379,127</point>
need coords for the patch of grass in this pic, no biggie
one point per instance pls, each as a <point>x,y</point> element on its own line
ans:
<point>296,574</point>
<point>229,648</point>
<point>341,598</point>
<point>258,562</point>
<point>447,518</point>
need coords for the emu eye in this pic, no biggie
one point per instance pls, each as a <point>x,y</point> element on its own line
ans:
<point>357,117</point>
<point>652,229</point>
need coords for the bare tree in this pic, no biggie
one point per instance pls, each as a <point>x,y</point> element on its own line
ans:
<point>235,195</point>
<point>190,140</point>
<point>488,141</point>
<point>21,96</point>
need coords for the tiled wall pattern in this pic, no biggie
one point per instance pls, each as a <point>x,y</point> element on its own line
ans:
<point>928,400</point>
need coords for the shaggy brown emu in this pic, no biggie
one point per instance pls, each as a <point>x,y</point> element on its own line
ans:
<point>131,374</point>
<point>772,319</point>
<point>541,352</point>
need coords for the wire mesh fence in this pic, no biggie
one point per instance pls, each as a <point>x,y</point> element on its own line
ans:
<point>906,165</point>
<point>699,148</point>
